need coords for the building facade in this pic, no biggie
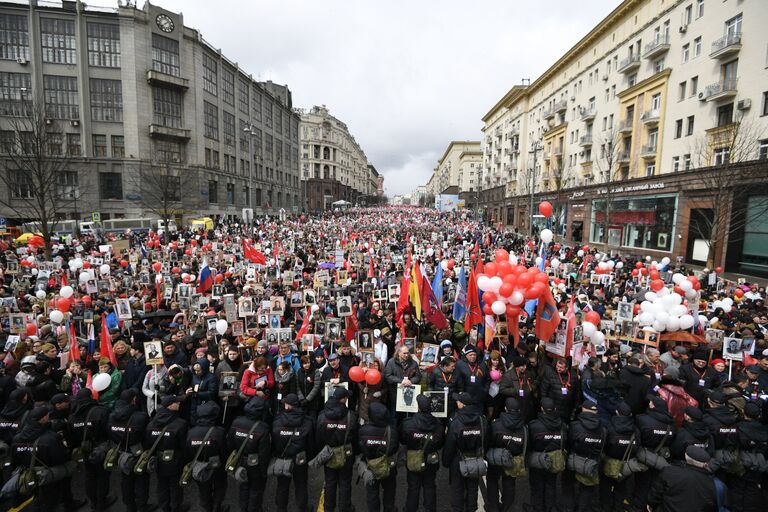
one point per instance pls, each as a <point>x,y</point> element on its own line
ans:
<point>131,89</point>
<point>333,165</point>
<point>653,96</point>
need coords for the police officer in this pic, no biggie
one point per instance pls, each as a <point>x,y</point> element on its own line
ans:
<point>510,433</point>
<point>547,433</point>
<point>337,428</point>
<point>293,434</point>
<point>249,437</point>
<point>621,443</point>
<point>172,431</point>
<point>207,443</point>
<point>14,413</point>
<point>693,432</point>
<point>377,439</point>
<point>125,428</point>
<point>753,439</point>
<point>722,425</point>
<point>422,432</point>
<point>585,439</point>
<point>656,431</point>
<point>467,437</point>
<point>88,436</point>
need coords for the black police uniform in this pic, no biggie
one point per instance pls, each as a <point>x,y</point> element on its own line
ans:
<point>13,415</point>
<point>174,434</point>
<point>213,439</point>
<point>379,439</point>
<point>337,426</point>
<point>126,427</point>
<point>722,425</point>
<point>293,433</point>
<point>694,432</point>
<point>621,442</point>
<point>88,424</point>
<point>510,433</point>
<point>422,431</point>
<point>585,438</point>
<point>467,437</point>
<point>546,434</point>
<point>745,492</point>
<point>656,430</point>
<point>251,429</point>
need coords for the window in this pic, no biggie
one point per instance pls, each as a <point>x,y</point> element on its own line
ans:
<point>689,126</point>
<point>267,113</point>
<point>687,162</point>
<point>257,197</point>
<point>165,55</point>
<point>99,145</point>
<point>694,85</point>
<point>53,142</point>
<point>14,37</point>
<point>104,45</point>
<point>650,169</point>
<point>61,100</point>
<point>67,185</point>
<point>613,91</point>
<point>762,150</point>
<point>229,129</point>
<point>678,128</point>
<point>228,86</point>
<point>208,161</point>
<point>765,104</point>
<point>607,94</point>
<point>21,186</point>
<point>111,185</point>
<point>278,122</point>
<point>118,146</point>
<point>647,222</point>
<point>215,159</point>
<point>210,120</point>
<point>210,74</point>
<point>675,163</point>
<point>721,156</point>
<point>686,52</point>
<point>106,100</point>
<point>58,41</point>
<point>167,107</point>
<point>213,192</point>
<point>697,47</point>
<point>74,147</point>
<point>688,15</point>
<point>725,115</point>
<point>699,8</point>
<point>733,26</point>
<point>632,80</point>
<point>681,91</point>
<point>658,65</point>
<point>172,187</point>
<point>656,101</point>
<point>15,94</point>
<point>653,138</point>
<point>256,107</point>
<point>170,152</point>
<point>243,88</point>
<point>230,193</point>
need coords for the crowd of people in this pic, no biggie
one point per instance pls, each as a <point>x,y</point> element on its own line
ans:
<point>349,344</point>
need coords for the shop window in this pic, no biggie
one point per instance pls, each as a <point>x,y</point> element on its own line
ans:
<point>642,223</point>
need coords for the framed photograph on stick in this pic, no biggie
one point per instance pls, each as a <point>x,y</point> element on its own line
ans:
<point>406,399</point>
<point>438,403</point>
<point>330,388</point>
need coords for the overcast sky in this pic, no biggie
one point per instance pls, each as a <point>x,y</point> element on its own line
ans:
<point>406,76</point>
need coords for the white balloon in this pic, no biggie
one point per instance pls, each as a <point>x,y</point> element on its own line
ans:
<point>663,292</point>
<point>56,316</point>
<point>495,283</point>
<point>40,294</point>
<point>513,259</point>
<point>444,265</point>
<point>646,306</point>
<point>679,310</point>
<point>79,262</point>
<point>714,320</point>
<point>602,265</point>
<point>673,324</point>
<point>448,280</point>
<point>717,304</point>
<point>499,307</point>
<point>619,265</point>
<point>611,263</point>
<point>66,291</point>
<point>484,283</point>
<point>645,318</point>
<point>703,320</point>
<point>726,309</point>
<point>650,296</point>
<point>658,326</point>
<point>538,260</point>
<point>221,326</point>
<point>547,236</point>
<point>34,271</point>
<point>598,338</point>
<point>554,263</point>
<point>665,260</point>
<point>84,276</point>
<point>727,301</point>
<point>314,308</point>
<point>31,258</point>
<point>691,294</point>
<point>648,259</point>
<point>678,278</point>
<point>430,252</point>
<point>686,322</point>
<point>104,269</point>
<point>686,285</point>
<point>101,382</point>
<point>588,328</point>
<point>516,298</point>
<point>580,253</point>
<point>662,316</point>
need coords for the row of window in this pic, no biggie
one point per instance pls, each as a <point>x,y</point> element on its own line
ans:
<point>54,142</point>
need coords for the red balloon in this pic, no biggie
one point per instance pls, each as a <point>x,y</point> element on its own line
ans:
<point>174,245</point>
<point>489,297</point>
<point>491,269</point>
<point>719,270</point>
<point>739,293</point>
<point>175,270</point>
<point>518,269</point>
<point>655,274</point>
<point>186,279</point>
<point>227,274</point>
<point>679,291</point>
<point>487,309</point>
<point>506,290</point>
<point>124,263</point>
<point>373,377</point>
<point>510,278</point>
<point>636,309</point>
<point>356,374</point>
<point>697,286</point>
<point>598,270</point>
<point>556,247</point>
<point>657,284</point>
<point>512,311</point>
<point>634,272</point>
<point>693,279</point>
<point>533,270</point>
<point>25,263</point>
<point>541,278</point>
<point>63,304</point>
<point>504,267</point>
<point>86,264</point>
<point>219,278</point>
<point>193,242</point>
<point>585,248</point>
<point>593,317</point>
<point>545,208</point>
<point>502,255</point>
<point>157,266</point>
<point>31,329</point>
<point>533,292</point>
<point>524,281</point>
<point>87,300</point>
<point>451,263</point>
<point>188,252</point>
<point>639,264</point>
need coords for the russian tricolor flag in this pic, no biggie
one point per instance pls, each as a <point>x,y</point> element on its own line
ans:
<point>205,280</point>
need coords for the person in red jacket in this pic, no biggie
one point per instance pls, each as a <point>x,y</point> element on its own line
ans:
<point>671,390</point>
<point>258,379</point>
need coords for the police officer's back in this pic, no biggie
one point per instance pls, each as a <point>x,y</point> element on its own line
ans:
<point>293,437</point>
<point>125,429</point>
<point>88,435</point>
<point>422,435</point>
<point>508,432</point>
<point>249,438</point>
<point>171,430</point>
<point>379,445</point>
<point>207,444</point>
<point>337,429</point>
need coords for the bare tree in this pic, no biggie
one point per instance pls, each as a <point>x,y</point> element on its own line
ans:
<point>33,163</point>
<point>559,181</point>
<point>158,189</point>
<point>608,169</point>
<point>723,177</point>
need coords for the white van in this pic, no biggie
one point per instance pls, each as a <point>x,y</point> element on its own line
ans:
<point>171,227</point>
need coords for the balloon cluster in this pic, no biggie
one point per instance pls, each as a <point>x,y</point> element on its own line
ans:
<point>664,309</point>
<point>506,285</point>
<point>591,328</point>
<point>371,376</point>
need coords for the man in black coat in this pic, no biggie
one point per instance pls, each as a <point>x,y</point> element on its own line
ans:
<point>251,429</point>
<point>473,376</point>
<point>699,377</point>
<point>508,432</point>
<point>686,487</point>
<point>656,430</point>
<point>585,438</point>
<point>547,433</point>
<point>207,442</point>
<point>753,439</point>
<point>560,383</point>
<point>467,437</point>
<point>621,442</point>
<point>693,432</point>
<point>721,422</point>
<point>172,431</point>
<point>378,439</point>
<point>638,383</point>
<point>88,431</point>
<point>293,433</point>
<point>424,432</point>
<point>135,369</point>
<point>337,427</point>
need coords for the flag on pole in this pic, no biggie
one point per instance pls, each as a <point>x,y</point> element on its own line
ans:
<point>460,302</point>
<point>413,292</point>
<point>105,345</point>
<point>74,350</point>
<point>205,279</point>
<point>252,254</point>
<point>430,307</point>
<point>547,316</point>
<point>351,325</point>
<point>474,315</point>
<point>89,385</point>
<point>437,285</point>
<point>304,325</point>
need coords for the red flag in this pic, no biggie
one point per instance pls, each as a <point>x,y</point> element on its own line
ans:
<point>513,324</point>
<point>370,269</point>
<point>570,316</point>
<point>402,301</point>
<point>252,255</point>
<point>547,317</point>
<point>105,343</point>
<point>351,322</point>
<point>304,325</point>
<point>74,350</point>
<point>473,316</point>
<point>159,292</point>
<point>89,385</point>
<point>64,281</point>
<point>429,307</point>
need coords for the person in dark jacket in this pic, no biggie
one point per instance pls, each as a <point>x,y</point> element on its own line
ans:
<point>88,431</point>
<point>721,422</point>
<point>510,433</point>
<point>423,432</point>
<point>443,378</point>
<point>14,413</point>
<point>308,386</point>
<point>694,432</point>
<point>685,487</point>
<point>135,369</point>
<point>473,376</point>
<point>656,430</point>
<point>251,433</point>
<point>401,369</point>
<point>699,377</point>
<point>560,383</point>
<point>467,436</point>
<point>518,384</point>
<point>337,427</point>
<point>547,433</point>
<point>203,387</point>
<point>172,431</point>
<point>378,439</point>
<point>207,442</point>
<point>293,433</point>
<point>638,383</point>
<point>585,438</point>
<point>621,442</point>
<point>753,439</point>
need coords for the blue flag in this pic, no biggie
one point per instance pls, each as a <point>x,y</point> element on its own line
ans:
<point>542,255</point>
<point>437,286</point>
<point>530,307</point>
<point>460,302</point>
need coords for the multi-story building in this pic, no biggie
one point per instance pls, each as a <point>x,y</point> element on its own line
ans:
<point>458,167</point>
<point>659,93</point>
<point>129,89</point>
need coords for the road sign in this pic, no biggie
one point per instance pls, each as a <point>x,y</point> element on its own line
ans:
<point>3,223</point>
<point>96,217</point>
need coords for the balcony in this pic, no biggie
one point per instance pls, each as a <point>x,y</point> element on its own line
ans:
<point>561,106</point>
<point>648,151</point>
<point>626,125</point>
<point>585,140</point>
<point>546,155</point>
<point>158,78</point>
<point>623,157</point>
<point>656,47</point>
<point>629,64</point>
<point>160,131</point>
<point>558,151</point>
<point>587,114</point>
<point>513,131</point>
<point>549,114</point>
<point>497,131</point>
<point>726,46</point>
<point>651,117</point>
<point>723,89</point>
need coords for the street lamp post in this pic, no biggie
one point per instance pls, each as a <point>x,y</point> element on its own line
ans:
<point>535,148</point>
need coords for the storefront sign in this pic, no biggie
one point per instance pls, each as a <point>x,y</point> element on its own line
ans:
<point>633,188</point>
